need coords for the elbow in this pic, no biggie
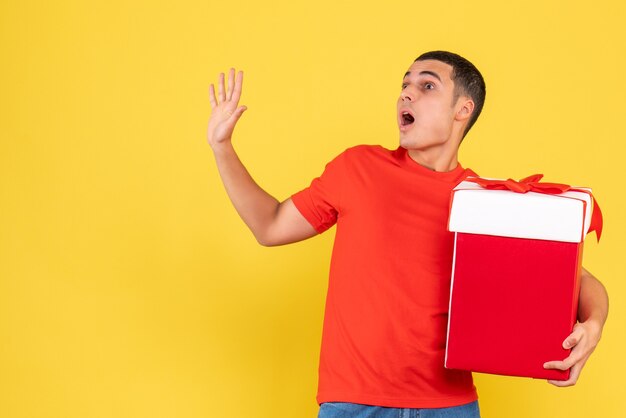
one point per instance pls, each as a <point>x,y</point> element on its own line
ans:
<point>264,243</point>
<point>269,240</point>
<point>265,240</point>
<point>261,240</point>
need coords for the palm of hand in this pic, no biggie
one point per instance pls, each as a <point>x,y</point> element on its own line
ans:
<point>225,115</point>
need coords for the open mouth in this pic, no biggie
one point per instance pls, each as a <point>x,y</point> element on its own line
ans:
<point>406,118</point>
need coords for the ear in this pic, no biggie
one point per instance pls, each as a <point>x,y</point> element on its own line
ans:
<point>465,107</point>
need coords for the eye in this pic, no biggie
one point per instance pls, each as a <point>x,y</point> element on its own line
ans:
<point>403,85</point>
<point>429,86</point>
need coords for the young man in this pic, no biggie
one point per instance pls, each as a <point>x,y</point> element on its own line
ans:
<point>384,333</point>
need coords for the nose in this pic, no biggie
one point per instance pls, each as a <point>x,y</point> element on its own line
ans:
<point>405,96</point>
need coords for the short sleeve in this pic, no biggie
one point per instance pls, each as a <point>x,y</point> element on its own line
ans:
<point>320,202</point>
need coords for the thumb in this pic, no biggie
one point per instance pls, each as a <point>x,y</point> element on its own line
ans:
<point>238,112</point>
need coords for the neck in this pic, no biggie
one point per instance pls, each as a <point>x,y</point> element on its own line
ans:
<point>436,159</point>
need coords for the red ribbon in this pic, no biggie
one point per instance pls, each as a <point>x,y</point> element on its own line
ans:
<point>532,184</point>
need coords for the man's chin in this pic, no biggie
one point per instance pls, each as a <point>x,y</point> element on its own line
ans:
<point>408,143</point>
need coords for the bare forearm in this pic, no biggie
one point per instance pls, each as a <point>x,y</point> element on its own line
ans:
<point>271,222</point>
<point>255,206</point>
<point>594,300</point>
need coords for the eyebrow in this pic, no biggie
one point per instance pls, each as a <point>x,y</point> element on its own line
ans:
<point>426,72</point>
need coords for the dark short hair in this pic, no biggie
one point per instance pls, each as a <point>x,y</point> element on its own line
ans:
<point>467,80</point>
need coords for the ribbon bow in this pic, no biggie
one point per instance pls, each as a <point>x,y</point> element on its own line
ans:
<point>532,184</point>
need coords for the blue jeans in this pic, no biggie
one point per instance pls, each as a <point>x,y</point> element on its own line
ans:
<point>354,410</point>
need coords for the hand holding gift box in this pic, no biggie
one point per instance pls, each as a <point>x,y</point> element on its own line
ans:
<point>517,275</point>
<point>592,312</point>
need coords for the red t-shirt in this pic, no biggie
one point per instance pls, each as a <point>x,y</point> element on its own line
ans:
<point>386,314</point>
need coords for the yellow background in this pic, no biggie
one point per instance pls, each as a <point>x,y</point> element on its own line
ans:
<point>129,287</point>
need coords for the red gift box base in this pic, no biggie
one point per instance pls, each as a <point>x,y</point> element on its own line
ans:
<point>513,303</point>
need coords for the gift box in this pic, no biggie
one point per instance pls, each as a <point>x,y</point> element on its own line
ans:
<point>516,273</point>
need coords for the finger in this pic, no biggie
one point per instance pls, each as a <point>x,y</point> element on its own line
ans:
<point>560,365</point>
<point>574,338</point>
<point>238,112</point>
<point>237,90</point>
<point>231,79</point>
<point>574,374</point>
<point>573,377</point>
<point>574,358</point>
<point>212,96</point>
<point>220,88</point>
<point>560,383</point>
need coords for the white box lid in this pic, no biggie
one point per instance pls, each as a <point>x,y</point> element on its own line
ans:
<point>557,217</point>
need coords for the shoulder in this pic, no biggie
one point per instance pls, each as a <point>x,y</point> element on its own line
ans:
<point>366,149</point>
<point>362,157</point>
<point>365,152</point>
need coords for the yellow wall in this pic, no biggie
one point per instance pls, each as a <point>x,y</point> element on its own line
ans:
<point>129,287</point>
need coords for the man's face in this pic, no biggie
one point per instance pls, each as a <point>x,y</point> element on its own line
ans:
<point>427,94</point>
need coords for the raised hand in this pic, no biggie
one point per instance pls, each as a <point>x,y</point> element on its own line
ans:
<point>224,115</point>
